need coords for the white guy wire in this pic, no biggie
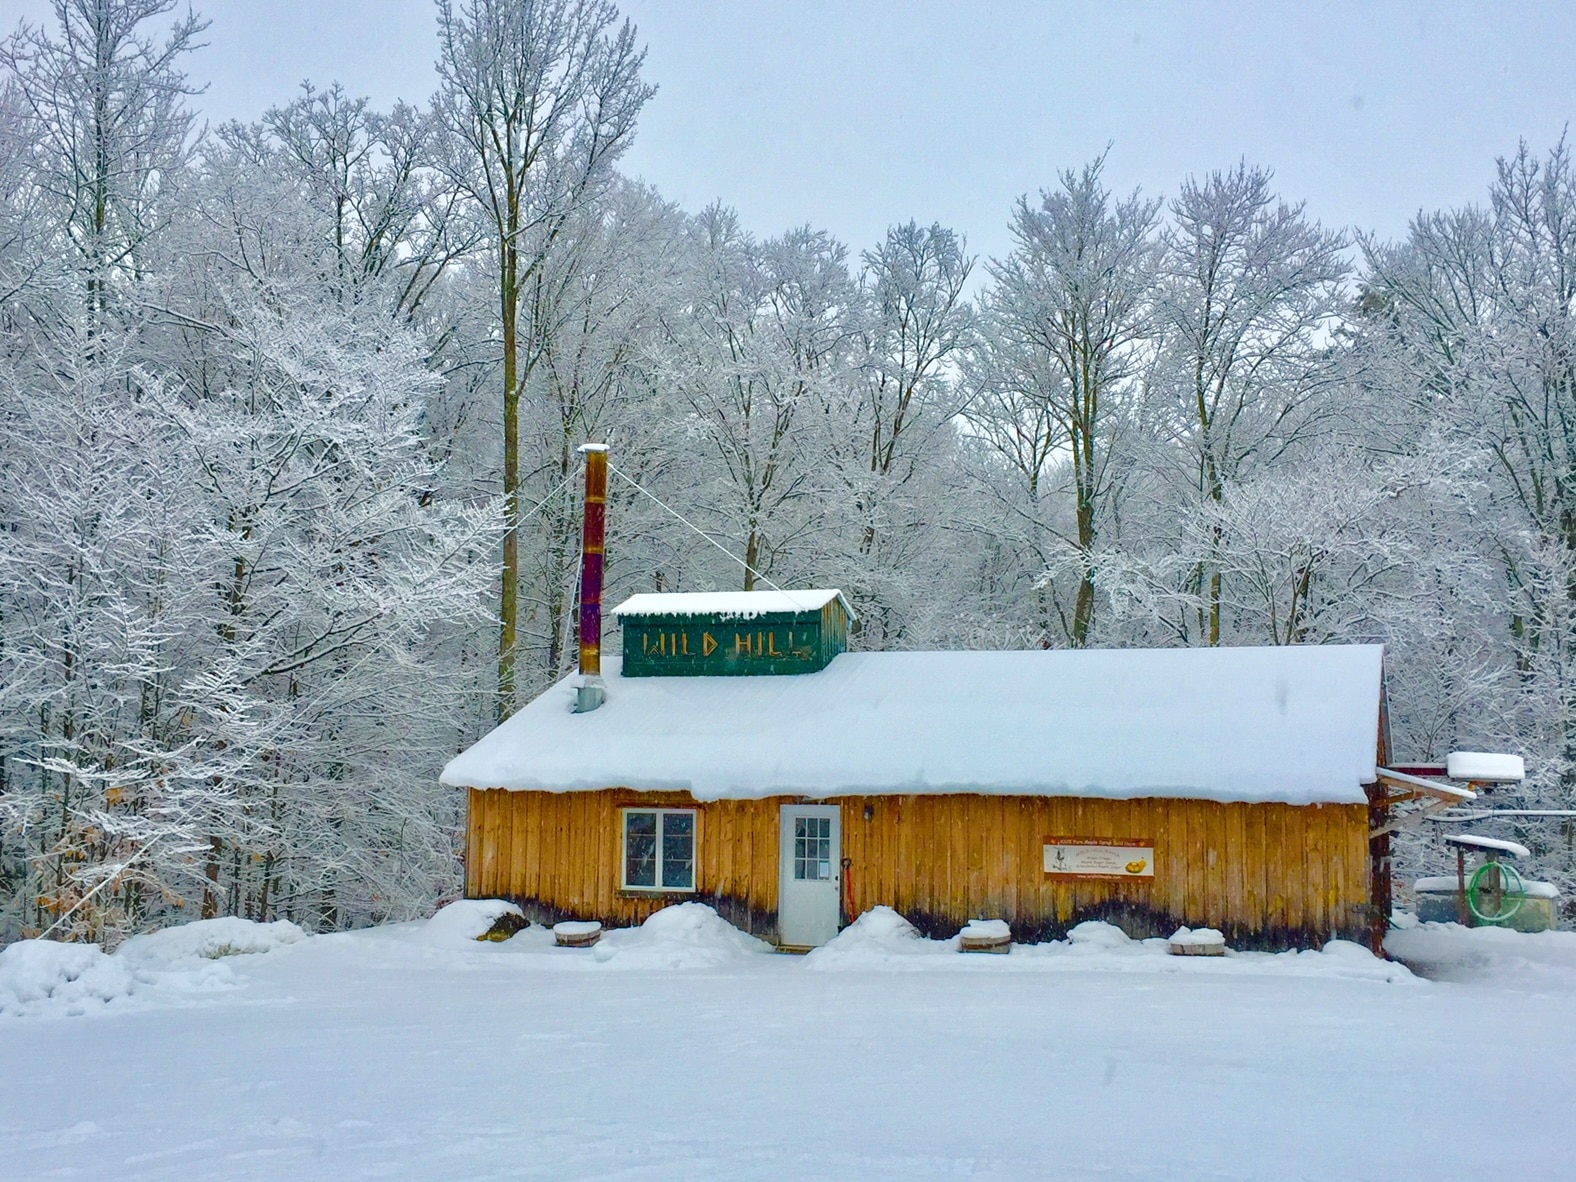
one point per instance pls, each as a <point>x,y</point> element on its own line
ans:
<point>636,485</point>
<point>1453,817</point>
<point>524,517</point>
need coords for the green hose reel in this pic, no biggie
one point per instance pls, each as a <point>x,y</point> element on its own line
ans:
<point>1503,900</point>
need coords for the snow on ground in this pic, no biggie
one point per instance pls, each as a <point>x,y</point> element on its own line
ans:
<point>685,1049</point>
<point>1544,961</point>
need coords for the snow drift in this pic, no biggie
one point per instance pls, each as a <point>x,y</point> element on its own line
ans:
<point>47,978</point>
<point>465,920</point>
<point>1517,960</point>
<point>686,936</point>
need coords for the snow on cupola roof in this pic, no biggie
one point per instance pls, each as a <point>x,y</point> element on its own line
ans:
<point>743,605</point>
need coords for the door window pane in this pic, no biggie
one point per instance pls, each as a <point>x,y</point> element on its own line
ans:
<point>678,851</point>
<point>812,848</point>
<point>640,849</point>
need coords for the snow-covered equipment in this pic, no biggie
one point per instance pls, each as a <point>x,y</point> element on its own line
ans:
<point>985,935</point>
<point>1197,942</point>
<point>1403,797</point>
<point>576,933</point>
<point>1438,900</point>
<point>1492,845</point>
<point>1494,893</point>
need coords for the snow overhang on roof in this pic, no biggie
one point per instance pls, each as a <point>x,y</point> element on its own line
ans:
<point>1290,724</point>
<point>742,605</point>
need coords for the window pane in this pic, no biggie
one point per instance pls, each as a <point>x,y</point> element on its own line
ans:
<point>678,851</point>
<point>812,848</point>
<point>640,849</point>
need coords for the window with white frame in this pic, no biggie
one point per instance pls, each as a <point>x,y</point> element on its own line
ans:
<point>659,849</point>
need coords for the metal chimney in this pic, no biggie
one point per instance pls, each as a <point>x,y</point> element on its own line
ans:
<point>592,692</point>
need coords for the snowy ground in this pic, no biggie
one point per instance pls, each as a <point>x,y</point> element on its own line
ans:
<point>683,1050</point>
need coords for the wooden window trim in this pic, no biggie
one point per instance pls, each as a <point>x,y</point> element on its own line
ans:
<point>625,890</point>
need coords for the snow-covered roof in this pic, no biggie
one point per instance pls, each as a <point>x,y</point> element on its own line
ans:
<point>1297,725</point>
<point>744,605</point>
<point>1486,767</point>
<point>1472,841</point>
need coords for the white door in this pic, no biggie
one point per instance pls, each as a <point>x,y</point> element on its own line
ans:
<point>811,874</point>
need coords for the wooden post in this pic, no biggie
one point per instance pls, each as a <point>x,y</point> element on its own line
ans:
<point>1495,881</point>
<point>1379,885</point>
<point>1463,913</point>
<point>1379,809</point>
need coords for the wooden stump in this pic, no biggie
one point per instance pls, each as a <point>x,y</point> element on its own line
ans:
<point>576,933</point>
<point>985,935</point>
<point>1197,942</point>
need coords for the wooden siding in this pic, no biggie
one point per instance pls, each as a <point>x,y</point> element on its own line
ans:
<point>1265,874</point>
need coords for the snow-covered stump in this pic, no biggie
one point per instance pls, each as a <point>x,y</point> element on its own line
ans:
<point>577,933</point>
<point>1197,942</point>
<point>985,935</point>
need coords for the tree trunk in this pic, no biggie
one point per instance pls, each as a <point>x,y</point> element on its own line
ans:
<point>752,554</point>
<point>210,893</point>
<point>509,602</point>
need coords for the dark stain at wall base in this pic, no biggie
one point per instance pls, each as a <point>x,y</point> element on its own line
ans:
<point>1138,923</point>
<point>738,912</point>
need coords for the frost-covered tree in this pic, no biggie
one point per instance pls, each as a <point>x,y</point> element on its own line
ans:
<point>1065,322</point>
<point>389,218</point>
<point>758,356</point>
<point>100,787</point>
<point>1248,294</point>
<point>1476,311</point>
<point>333,564</point>
<point>595,305</point>
<point>103,103</point>
<point>899,427</point>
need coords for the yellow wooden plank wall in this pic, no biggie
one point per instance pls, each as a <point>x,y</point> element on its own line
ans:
<point>1280,873</point>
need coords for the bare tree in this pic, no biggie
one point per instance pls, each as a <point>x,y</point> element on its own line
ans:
<point>105,106</point>
<point>1066,314</point>
<point>540,97</point>
<point>1249,290</point>
<point>759,348</point>
<point>389,217</point>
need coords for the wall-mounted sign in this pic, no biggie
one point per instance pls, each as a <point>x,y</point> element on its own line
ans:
<point>1098,857</point>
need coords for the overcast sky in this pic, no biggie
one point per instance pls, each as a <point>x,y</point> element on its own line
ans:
<point>853,116</point>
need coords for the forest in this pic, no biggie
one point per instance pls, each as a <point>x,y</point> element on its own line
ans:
<point>289,413</point>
